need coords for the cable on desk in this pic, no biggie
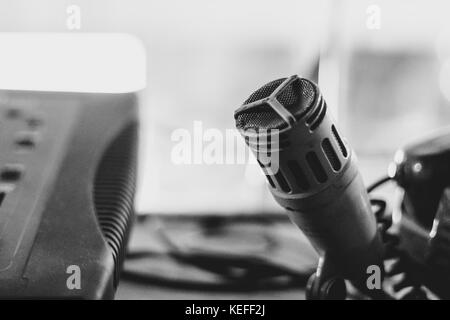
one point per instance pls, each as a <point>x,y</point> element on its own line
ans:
<point>378,183</point>
<point>231,272</point>
<point>255,274</point>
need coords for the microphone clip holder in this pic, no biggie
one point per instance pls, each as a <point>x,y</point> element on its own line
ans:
<point>326,283</point>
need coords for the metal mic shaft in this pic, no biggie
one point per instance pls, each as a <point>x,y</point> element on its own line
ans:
<point>312,173</point>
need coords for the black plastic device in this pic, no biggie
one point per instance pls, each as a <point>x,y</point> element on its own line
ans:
<point>422,169</point>
<point>67,177</point>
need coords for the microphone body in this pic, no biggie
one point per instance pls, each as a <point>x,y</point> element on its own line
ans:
<point>312,173</point>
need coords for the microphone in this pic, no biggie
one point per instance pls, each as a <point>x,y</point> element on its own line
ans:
<point>312,173</point>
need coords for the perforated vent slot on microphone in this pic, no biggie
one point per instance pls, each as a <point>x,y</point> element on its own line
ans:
<point>319,117</point>
<point>282,183</point>
<point>299,175</point>
<point>339,141</point>
<point>272,184</point>
<point>316,167</point>
<point>264,164</point>
<point>315,114</point>
<point>331,154</point>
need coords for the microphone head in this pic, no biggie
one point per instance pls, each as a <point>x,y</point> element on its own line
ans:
<point>297,97</point>
<point>286,125</point>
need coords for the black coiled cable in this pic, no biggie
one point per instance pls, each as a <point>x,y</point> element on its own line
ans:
<point>401,264</point>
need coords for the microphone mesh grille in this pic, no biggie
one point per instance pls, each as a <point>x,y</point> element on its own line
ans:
<point>298,97</point>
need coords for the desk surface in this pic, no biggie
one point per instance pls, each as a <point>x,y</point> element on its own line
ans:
<point>288,248</point>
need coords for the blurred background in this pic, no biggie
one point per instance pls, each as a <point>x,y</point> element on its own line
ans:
<point>383,67</point>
